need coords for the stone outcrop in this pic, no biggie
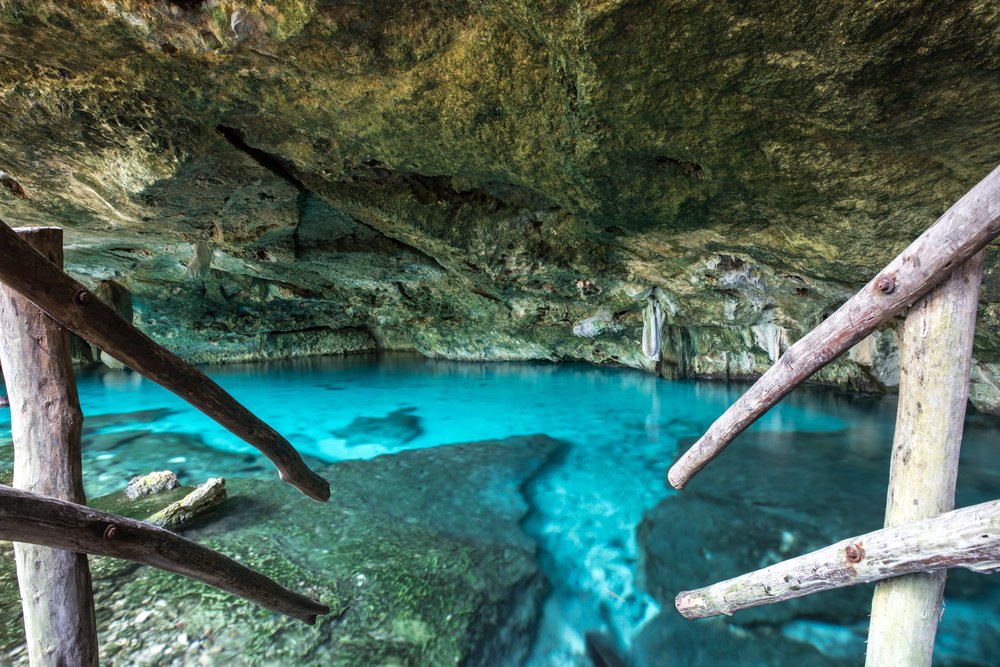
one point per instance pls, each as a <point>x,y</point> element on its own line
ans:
<point>498,179</point>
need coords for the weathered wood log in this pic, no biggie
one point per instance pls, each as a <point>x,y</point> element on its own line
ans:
<point>27,517</point>
<point>179,514</point>
<point>960,233</point>
<point>67,301</point>
<point>56,597</point>
<point>968,537</point>
<point>935,356</point>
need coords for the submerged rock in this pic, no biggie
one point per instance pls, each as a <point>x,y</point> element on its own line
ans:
<point>395,428</point>
<point>715,643</point>
<point>110,459</point>
<point>172,508</point>
<point>420,556</point>
<point>97,423</point>
<point>796,492</point>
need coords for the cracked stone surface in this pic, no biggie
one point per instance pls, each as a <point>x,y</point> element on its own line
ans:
<point>480,179</point>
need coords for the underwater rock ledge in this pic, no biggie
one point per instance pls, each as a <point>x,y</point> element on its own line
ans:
<point>774,496</point>
<point>420,555</point>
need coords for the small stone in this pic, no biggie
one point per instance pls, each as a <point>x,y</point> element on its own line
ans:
<point>154,482</point>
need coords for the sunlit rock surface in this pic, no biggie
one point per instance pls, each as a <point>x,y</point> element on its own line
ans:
<point>476,179</point>
<point>420,556</point>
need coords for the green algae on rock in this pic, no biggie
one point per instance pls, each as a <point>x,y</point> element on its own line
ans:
<point>419,554</point>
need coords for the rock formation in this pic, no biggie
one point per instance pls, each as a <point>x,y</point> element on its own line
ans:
<point>477,179</point>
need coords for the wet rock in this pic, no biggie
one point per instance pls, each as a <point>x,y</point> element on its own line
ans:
<point>152,483</point>
<point>138,508</point>
<point>715,643</point>
<point>420,555</point>
<point>395,428</point>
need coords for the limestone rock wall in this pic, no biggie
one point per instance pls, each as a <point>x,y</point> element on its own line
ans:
<point>499,179</point>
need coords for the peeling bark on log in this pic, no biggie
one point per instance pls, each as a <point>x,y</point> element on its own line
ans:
<point>965,229</point>
<point>935,356</point>
<point>46,422</point>
<point>27,517</point>
<point>67,301</point>
<point>968,537</point>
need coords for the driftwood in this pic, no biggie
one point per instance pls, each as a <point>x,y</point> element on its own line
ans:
<point>965,229</point>
<point>935,355</point>
<point>27,517</point>
<point>203,499</point>
<point>968,537</point>
<point>56,597</point>
<point>67,301</point>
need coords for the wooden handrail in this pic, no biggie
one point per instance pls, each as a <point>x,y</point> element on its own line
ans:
<point>965,229</point>
<point>968,537</point>
<point>67,301</point>
<point>28,517</point>
<point>57,601</point>
<point>935,353</point>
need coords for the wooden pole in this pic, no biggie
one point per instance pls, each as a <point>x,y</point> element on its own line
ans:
<point>968,537</point>
<point>965,229</point>
<point>26,517</point>
<point>46,421</point>
<point>67,301</point>
<point>935,356</point>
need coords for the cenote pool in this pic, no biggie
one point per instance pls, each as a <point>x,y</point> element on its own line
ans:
<point>612,541</point>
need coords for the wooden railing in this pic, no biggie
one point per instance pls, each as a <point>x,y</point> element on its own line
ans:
<point>44,515</point>
<point>937,277</point>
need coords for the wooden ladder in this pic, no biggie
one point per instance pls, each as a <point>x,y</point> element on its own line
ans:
<point>937,277</point>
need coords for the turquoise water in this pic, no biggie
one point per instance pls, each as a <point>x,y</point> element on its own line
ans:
<point>622,426</point>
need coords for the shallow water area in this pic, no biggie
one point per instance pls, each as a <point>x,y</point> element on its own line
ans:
<point>622,429</point>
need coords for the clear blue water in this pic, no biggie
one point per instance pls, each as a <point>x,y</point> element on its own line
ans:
<point>623,427</point>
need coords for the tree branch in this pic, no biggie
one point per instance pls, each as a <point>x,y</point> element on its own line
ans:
<point>27,517</point>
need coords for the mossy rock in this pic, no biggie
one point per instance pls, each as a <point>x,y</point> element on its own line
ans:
<point>420,556</point>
